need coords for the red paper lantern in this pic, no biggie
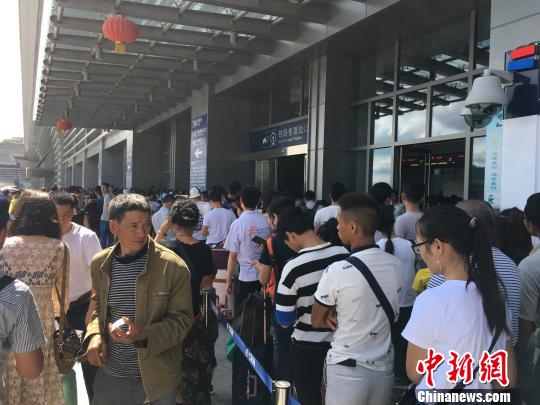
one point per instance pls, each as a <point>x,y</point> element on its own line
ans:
<point>63,126</point>
<point>121,31</point>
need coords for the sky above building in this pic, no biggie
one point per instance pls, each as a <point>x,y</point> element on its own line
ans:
<point>11,113</point>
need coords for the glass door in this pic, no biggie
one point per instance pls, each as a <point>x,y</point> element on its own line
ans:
<point>440,166</point>
<point>265,174</point>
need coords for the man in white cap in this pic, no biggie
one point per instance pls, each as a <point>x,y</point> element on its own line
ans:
<point>204,208</point>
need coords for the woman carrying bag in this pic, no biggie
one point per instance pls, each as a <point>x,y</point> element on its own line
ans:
<point>35,254</point>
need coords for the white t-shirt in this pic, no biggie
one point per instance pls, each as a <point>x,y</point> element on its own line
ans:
<point>363,331</point>
<point>204,208</point>
<point>451,317</point>
<point>239,240</point>
<point>83,245</point>
<point>154,206</point>
<point>159,218</point>
<point>324,214</point>
<point>106,201</point>
<point>404,252</point>
<point>218,221</point>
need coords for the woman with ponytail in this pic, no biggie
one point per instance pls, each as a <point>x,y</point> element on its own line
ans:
<point>401,248</point>
<point>468,311</point>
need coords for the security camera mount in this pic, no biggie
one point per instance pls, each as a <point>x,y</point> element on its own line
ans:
<point>507,78</point>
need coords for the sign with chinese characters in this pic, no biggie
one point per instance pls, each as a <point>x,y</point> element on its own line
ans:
<point>491,367</point>
<point>492,176</point>
<point>199,145</point>
<point>280,136</point>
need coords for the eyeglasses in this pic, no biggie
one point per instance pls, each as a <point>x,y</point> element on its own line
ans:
<point>416,246</point>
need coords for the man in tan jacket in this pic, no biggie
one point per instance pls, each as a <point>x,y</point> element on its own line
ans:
<point>143,312</point>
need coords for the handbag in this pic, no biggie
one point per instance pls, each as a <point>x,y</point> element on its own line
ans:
<point>252,320</point>
<point>67,344</point>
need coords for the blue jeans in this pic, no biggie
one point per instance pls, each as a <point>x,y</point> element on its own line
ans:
<point>105,236</point>
<point>109,390</point>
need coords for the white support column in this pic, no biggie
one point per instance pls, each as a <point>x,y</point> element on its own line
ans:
<point>316,115</point>
<point>129,161</point>
<point>73,172</point>
<point>100,160</point>
<point>83,182</point>
<point>172,177</point>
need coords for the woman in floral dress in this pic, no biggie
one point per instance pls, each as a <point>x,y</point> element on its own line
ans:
<point>34,254</point>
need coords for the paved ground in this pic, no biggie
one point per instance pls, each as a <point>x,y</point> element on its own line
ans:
<point>222,376</point>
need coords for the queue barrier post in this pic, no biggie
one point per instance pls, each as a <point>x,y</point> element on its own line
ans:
<point>282,389</point>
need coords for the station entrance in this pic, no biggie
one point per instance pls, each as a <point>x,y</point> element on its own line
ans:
<point>439,165</point>
<point>285,173</point>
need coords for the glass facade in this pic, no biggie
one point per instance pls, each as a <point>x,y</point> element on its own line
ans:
<point>382,165</point>
<point>377,73</point>
<point>382,121</point>
<point>447,101</point>
<point>437,54</point>
<point>481,44</point>
<point>412,115</point>
<point>422,108</point>
<point>478,168</point>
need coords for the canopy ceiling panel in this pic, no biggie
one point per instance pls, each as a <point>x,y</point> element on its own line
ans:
<point>181,46</point>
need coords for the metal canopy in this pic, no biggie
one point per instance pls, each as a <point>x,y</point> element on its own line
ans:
<point>182,45</point>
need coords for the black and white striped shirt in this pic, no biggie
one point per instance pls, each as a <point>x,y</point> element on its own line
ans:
<point>508,273</point>
<point>297,286</point>
<point>122,360</point>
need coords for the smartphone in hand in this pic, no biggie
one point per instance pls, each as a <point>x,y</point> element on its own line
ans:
<point>258,240</point>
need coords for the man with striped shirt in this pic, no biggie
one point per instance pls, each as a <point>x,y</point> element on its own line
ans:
<point>294,299</point>
<point>143,312</point>
<point>504,266</point>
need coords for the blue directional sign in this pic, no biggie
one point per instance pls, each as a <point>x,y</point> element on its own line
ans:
<point>280,136</point>
<point>199,146</point>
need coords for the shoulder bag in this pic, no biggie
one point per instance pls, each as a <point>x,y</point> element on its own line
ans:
<point>377,290</point>
<point>67,344</point>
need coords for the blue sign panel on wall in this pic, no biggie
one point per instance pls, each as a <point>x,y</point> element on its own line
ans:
<point>280,136</point>
<point>199,145</point>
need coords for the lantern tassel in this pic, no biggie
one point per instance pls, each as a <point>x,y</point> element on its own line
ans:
<point>120,47</point>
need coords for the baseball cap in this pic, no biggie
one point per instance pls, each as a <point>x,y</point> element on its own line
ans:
<point>532,209</point>
<point>166,197</point>
<point>4,212</point>
<point>194,192</point>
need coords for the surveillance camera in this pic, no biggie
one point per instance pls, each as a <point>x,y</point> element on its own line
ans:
<point>485,109</point>
<point>487,97</point>
<point>475,119</point>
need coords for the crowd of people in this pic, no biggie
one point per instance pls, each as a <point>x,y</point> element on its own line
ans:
<point>355,293</point>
